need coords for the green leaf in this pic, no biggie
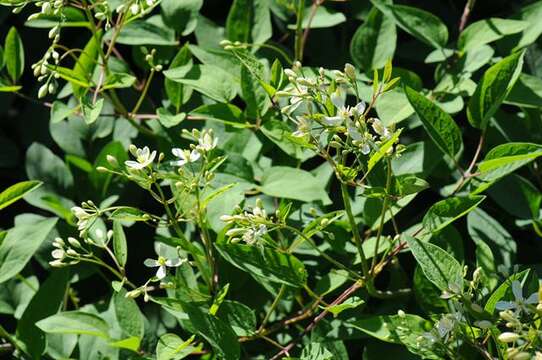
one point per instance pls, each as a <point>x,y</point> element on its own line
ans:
<point>506,158</point>
<point>439,125</point>
<point>60,111</point>
<point>100,180</point>
<point>421,24</point>
<point>209,80</point>
<point>387,327</point>
<point>120,248</point>
<point>374,41</point>
<point>91,111</point>
<point>46,302</point>
<point>249,21</point>
<point>323,18</point>
<point>139,32</point>
<point>446,211</point>
<point>117,80</point>
<point>20,243</point>
<point>181,15</point>
<point>132,343</point>
<point>69,17</point>
<point>291,183</point>
<point>219,334</point>
<point>17,191</point>
<point>168,119</point>
<point>172,347</point>
<point>177,93</point>
<point>75,322</point>
<point>129,317</point>
<point>437,265</point>
<point>127,213</point>
<point>85,65</point>
<point>350,303</point>
<point>225,113</point>
<point>240,317</point>
<point>70,76</point>
<point>492,89</point>
<point>377,156</point>
<point>485,229</point>
<point>270,264</point>
<point>503,290</point>
<point>527,92</point>
<point>488,30</point>
<point>218,299</point>
<point>14,54</point>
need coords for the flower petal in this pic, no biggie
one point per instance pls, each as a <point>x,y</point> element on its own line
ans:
<point>161,273</point>
<point>151,263</point>
<point>505,305</point>
<point>517,290</point>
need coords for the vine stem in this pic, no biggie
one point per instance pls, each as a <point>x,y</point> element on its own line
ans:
<point>339,300</point>
<point>466,12</point>
<point>323,254</point>
<point>355,230</point>
<point>299,31</point>
<point>383,215</point>
<point>271,309</point>
<point>143,93</point>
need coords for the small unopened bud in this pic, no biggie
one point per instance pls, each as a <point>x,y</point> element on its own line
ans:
<point>102,169</point>
<point>133,294</point>
<point>224,42</point>
<point>42,92</point>
<point>290,73</point>
<point>158,67</point>
<point>112,160</point>
<point>324,222</point>
<point>72,252</point>
<point>401,313</point>
<point>483,324</point>
<point>508,337</point>
<point>520,356</point>
<point>74,242</point>
<point>134,9</point>
<point>350,71</point>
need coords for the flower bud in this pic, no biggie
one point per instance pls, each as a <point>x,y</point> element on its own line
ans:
<point>350,71</point>
<point>112,160</point>
<point>102,169</point>
<point>520,356</point>
<point>42,92</point>
<point>508,337</point>
<point>74,242</point>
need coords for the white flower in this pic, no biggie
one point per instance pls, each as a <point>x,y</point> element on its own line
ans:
<point>162,264</point>
<point>134,9</point>
<point>185,156</point>
<point>144,157</point>
<point>206,141</point>
<point>303,126</point>
<point>380,129</point>
<point>520,303</point>
<point>58,254</point>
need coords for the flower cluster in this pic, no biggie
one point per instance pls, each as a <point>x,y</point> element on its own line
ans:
<point>250,226</point>
<point>67,252</point>
<point>318,106</point>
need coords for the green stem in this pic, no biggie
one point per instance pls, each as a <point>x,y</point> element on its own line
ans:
<point>272,308</point>
<point>323,254</point>
<point>355,231</point>
<point>383,214</point>
<point>179,231</point>
<point>299,30</point>
<point>143,93</point>
<point>206,239</point>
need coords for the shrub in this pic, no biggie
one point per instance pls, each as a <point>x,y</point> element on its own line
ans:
<point>256,191</point>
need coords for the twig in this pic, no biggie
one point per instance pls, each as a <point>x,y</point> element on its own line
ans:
<point>344,296</point>
<point>466,12</point>
<point>314,8</point>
